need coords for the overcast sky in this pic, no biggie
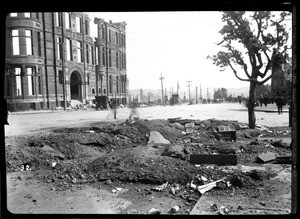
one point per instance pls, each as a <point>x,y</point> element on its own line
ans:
<point>175,44</point>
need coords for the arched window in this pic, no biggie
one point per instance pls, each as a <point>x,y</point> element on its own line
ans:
<point>93,90</point>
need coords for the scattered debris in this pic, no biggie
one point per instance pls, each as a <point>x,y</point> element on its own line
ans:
<point>174,209</point>
<point>157,138</point>
<point>214,207</point>
<point>154,211</point>
<point>119,190</point>
<point>223,210</point>
<point>266,157</point>
<point>204,188</point>
<point>161,187</point>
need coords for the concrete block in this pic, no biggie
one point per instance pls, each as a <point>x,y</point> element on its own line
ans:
<point>266,157</point>
<point>222,159</point>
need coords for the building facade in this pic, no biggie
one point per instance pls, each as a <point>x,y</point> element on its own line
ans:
<point>52,59</point>
<point>281,81</point>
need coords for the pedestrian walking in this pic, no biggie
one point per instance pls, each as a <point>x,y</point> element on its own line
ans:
<point>261,100</point>
<point>113,106</point>
<point>279,103</point>
<point>133,111</point>
<point>266,99</point>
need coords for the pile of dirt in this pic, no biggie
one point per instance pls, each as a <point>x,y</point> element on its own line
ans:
<point>120,151</point>
<point>146,165</point>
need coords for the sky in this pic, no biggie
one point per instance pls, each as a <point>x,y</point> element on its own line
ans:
<point>174,44</point>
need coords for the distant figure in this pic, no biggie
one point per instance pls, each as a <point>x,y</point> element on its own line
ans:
<point>266,100</point>
<point>113,106</point>
<point>240,100</point>
<point>261,100</point>
<point>5,115</point>
<point>279,103</point>
<point>133,111</point>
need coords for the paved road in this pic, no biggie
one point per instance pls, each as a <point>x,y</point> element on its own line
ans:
<point>35,122</point>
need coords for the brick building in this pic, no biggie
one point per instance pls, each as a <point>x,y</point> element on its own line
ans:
<point>51,59</point>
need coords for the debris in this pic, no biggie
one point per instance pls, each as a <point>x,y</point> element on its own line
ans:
<point>228,133</point>
<point>119,190</point>
<point>174,209</point>
<point>157,138</point>
<point>179,126</point>
<point>223,210</point>
<point>266,157</point>
<point>247,135</point>
<point>214,207</point>
<point>161,187</point>
<point>280,143</point>
<point>174,119</point>
<point>154,211</point>
<point>254,174</point>
<point>204,188</point>
<point>284,159</point>
<point>220,159</point>
<point>189,125</point>
<point>262,203</point>
<point>53,164</point>
<point>108,182</point>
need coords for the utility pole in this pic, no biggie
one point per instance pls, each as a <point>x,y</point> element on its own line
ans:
<point>207,94</point>
<point>189,85</point>
<point>200,92</point>
<point>196,94</point>
<point>162,89</point>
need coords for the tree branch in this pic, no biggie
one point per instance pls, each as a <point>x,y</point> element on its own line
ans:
<point>235,73</point>
<point>264,81</point>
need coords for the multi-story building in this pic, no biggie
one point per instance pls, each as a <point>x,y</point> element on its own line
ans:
<point>52,59</point>
<point>281,81</point>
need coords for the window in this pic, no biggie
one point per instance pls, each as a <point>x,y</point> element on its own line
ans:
<point>79,51</point>
<point>29,49</point>
<point>17,73</point>
<point>13,14</point>
<point>103,55</point>
<point>87,27</point>
<point>109,57</point>
<point>87,53</point>
<point>40,85</point>
<point>15,42</point>
<point>69,49</point>
<point>93,90</point>
<point>117,84</point>
<point>117,60</point>
<point>92,55</point>
<point>78,24</point>
<point>60,77</point>
<point>67,20</point>
<point>88,78</point>
<point>103,31</point>
<point>97,55</point>
<point>110,84</point>
<point>117,38</point>
<point>37,16</point>
<point>59,47</point>
<point>30,78</point>
<point>58,19</point>
<point>39,44</point>
<point>109,35</point>
<point>26,14</point>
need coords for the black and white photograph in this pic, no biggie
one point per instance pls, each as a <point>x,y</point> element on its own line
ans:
<point>180,112</point>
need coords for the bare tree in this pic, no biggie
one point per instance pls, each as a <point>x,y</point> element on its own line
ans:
<point>262,37</point>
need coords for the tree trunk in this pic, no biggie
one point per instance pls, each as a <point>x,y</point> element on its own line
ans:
<point>251,104</point>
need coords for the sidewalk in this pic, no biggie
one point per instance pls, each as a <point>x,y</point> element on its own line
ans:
<point>272,108</point>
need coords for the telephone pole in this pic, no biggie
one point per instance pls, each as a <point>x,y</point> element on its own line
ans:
<point>162,89</point>
<point>189,85</point>
<point>200,92</point>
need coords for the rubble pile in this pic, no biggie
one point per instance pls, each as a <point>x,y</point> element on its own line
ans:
<point>124,151</point>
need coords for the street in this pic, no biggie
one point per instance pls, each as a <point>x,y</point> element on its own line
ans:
<point>35,121</point>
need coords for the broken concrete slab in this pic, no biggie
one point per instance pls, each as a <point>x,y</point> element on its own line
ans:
<point>266,157</point>
<point>221,159</point>
<point>179,126</point>
<point>157,138</point>
<point>227,132</point>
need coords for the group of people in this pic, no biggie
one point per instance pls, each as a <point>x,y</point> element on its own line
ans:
<point>279,101</point>
<point>112,104</point>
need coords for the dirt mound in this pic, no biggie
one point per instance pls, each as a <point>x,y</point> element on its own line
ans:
<point>146,165</point>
